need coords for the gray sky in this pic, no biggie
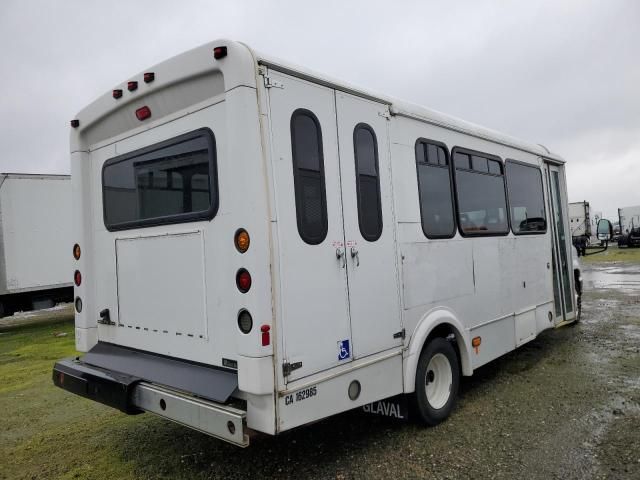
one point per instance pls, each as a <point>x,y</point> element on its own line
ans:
<point>562,73</point>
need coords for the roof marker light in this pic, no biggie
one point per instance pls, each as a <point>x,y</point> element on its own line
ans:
<point>117,93</point>
<point>75,123</point>
<point>143,113</point>
<point>149,77</point>
<point>219,52</point>
<point>131,86</point>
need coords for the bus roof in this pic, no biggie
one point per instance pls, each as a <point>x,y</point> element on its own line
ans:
<point>241,70</point>
<point>408,109</point>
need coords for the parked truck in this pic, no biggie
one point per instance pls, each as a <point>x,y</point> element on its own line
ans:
<point>35,234</point>
<point>629,218</point>
<point>580,222</point>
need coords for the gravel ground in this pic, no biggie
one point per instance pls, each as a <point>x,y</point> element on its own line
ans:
<point>566,405</point>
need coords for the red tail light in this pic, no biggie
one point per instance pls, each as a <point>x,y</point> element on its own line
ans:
<point>243,280</point>
<point>77,278</point>
<point>266,336</point>
<point>143,113</point>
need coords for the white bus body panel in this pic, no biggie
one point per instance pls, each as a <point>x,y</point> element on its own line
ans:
<point>35,232</point>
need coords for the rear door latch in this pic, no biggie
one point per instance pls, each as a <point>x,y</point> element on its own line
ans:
<point>287,368</point>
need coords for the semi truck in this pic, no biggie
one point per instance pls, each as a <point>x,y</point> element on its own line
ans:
<point>583,222</point>
<point>629,219</point>
<point>35,234</point>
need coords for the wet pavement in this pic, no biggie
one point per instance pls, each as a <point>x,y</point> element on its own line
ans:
<point>622,277</point>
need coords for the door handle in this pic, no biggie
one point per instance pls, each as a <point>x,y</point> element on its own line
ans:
<point>340,256</point>
<point>355,254</point>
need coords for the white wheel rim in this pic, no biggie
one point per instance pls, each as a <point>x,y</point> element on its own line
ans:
<point>438,381</point>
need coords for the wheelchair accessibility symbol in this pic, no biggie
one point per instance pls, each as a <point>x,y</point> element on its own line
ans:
<point>343,350</point>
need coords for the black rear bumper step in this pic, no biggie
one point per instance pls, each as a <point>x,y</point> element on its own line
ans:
<point>109,373</point>
<point>110,388</point>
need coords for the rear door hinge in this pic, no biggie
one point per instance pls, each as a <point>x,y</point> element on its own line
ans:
<point>287,368</point>
<point>401,334</point>
<point>268,81</point>
<point>386,113</point>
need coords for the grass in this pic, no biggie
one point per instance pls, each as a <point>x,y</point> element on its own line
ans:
<point>45,432</point>
<point>614,254</point>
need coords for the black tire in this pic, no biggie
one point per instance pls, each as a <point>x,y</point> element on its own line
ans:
<point>429,414</point>
<point>579,308</point>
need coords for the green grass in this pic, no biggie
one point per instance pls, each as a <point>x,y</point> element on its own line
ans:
<point>614,254</point>
<point>44,431</point>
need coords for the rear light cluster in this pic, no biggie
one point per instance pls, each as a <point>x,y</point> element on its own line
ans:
<point>242,241</point>
<point>144,112</point>
<point>77,277</point>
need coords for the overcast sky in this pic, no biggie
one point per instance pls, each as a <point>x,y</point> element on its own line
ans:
<point>562,73</point>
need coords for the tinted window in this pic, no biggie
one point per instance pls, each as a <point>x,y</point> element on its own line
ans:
<point>461,160</point>
<point>482,204</point>
<point>526,199</point>
<point>367,182</point>
<point>434,189</point>
<point>174,181</point>
<point>308,176</point>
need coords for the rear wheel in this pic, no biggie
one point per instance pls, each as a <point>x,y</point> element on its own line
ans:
<point>437,381</point>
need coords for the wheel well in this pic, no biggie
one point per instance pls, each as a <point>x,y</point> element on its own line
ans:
<point>447,331</point>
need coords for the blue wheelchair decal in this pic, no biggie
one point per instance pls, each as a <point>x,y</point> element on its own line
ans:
<point>343,350</point>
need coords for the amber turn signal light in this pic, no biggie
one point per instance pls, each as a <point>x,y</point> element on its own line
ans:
<point>242,240</point>
<point>76,251</point>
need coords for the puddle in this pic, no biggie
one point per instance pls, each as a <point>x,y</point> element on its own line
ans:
<point>625,278</point>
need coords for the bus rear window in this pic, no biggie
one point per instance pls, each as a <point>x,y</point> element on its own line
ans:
<point>171,182</point>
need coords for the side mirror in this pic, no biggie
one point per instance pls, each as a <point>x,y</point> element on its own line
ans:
<point>605,230</point>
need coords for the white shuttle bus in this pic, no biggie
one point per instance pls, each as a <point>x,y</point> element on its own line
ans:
<point>260,247</point>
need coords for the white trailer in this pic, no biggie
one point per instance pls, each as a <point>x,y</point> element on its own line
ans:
<point>35,234</point>
<point>263,247</point>
<point>629,218</point>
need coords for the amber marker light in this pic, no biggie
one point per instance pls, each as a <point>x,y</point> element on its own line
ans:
<point>76,251</point>
<point>242,240</point>
<point>475,343</point>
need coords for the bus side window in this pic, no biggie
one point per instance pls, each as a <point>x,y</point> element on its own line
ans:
<point>434,189</point>
<point>308,176</point>
<point>365,147</point>
<point>526,199</point>
<point>480,191</point>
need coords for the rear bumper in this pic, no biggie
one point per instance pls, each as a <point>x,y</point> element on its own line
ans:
<point>98,384</point>
<point>131,394</point>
